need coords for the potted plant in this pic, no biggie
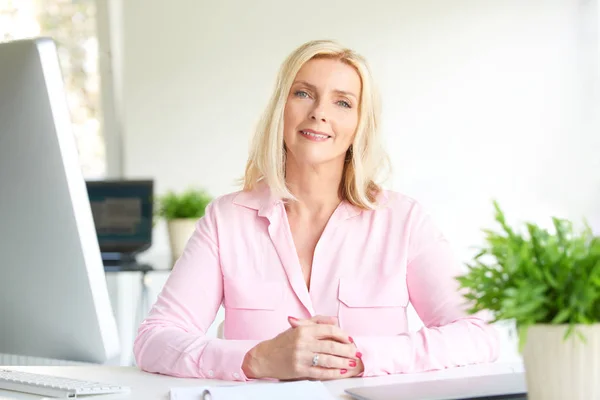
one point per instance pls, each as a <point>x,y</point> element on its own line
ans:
<point>548,282</point>
<point>181,212</point>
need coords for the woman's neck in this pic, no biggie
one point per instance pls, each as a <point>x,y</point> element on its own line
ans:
<point>316,189</point>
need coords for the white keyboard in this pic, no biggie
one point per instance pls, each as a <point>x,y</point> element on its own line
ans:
<point>53,386</point>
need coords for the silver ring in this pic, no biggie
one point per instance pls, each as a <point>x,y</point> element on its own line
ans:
<point>315,360</point>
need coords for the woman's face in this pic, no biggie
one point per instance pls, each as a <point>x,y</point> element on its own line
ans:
<point>321,113</point>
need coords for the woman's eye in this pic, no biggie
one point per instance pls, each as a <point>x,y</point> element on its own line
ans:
<point>344,104</point>
<point>300,93</point>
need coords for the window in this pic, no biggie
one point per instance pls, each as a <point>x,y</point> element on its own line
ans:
<point>72,24</point>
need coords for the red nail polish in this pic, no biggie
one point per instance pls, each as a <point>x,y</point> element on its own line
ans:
<point>350,339</point>
<point>353,363</point>
<point>295,319</point>
<point>358,354</point>
<point>343,371</point>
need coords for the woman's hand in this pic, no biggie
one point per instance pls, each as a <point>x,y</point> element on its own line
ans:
<point>322,319</point>
<point>289,355</point>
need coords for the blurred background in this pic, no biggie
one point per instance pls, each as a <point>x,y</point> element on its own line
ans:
<point>483,100</point>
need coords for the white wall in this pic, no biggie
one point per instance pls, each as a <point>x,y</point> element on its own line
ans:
<point>482,99</point>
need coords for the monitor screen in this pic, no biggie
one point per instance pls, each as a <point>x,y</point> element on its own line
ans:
<point>122,213</point>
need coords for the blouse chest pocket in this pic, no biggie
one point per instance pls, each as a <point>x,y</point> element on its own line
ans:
<point>252,308</point>
<point>373,306</point>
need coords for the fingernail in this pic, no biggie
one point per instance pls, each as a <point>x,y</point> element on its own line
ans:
<point>350,339</point>
<point>343,371</point>
<point>353,363</point>
<point>358,354</point>
<point>295,319</point>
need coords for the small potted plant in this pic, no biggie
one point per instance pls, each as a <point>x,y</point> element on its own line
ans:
<point>548,282</point>
<point>181,212</point>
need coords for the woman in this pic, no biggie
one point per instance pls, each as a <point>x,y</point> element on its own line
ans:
<point>313,261</point>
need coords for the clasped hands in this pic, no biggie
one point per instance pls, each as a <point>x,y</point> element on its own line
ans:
<point>290,355</point>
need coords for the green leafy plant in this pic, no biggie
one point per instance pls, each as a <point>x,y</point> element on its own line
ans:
<point>536,276</point>
<point>189,204</point>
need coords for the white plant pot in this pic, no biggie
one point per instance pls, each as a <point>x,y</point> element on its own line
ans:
<point>180,231</point>
<point>561,369</point>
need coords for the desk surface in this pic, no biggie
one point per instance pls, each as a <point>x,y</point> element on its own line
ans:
<point>145,386</point>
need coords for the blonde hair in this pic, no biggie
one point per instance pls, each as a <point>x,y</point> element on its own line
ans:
<point>366,157</point>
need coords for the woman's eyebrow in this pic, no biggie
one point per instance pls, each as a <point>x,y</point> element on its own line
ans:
<point>345,93</point>
<point>304,83</point>
<point>313,87</point>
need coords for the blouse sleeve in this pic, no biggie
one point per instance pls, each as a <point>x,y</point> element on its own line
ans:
<point>450,336</point>
<point>172,339</point>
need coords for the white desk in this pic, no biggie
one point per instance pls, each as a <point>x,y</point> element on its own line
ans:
<point>147,386</point>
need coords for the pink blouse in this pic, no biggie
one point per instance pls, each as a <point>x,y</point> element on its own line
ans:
<point>367,267</point>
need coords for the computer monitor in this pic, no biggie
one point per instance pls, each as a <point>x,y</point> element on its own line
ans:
<point>54,300</point>
<point>123,211</point>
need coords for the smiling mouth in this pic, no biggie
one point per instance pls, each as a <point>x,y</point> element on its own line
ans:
<point>314,136</point>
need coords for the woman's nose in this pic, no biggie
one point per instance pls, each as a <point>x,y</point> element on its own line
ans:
<point>318,114</point>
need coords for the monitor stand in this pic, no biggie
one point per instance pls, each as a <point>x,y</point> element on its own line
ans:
<point>118,259</point>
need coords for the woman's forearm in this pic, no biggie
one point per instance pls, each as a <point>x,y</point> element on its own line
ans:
<point>173,351</point>
<point>462,342</point>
